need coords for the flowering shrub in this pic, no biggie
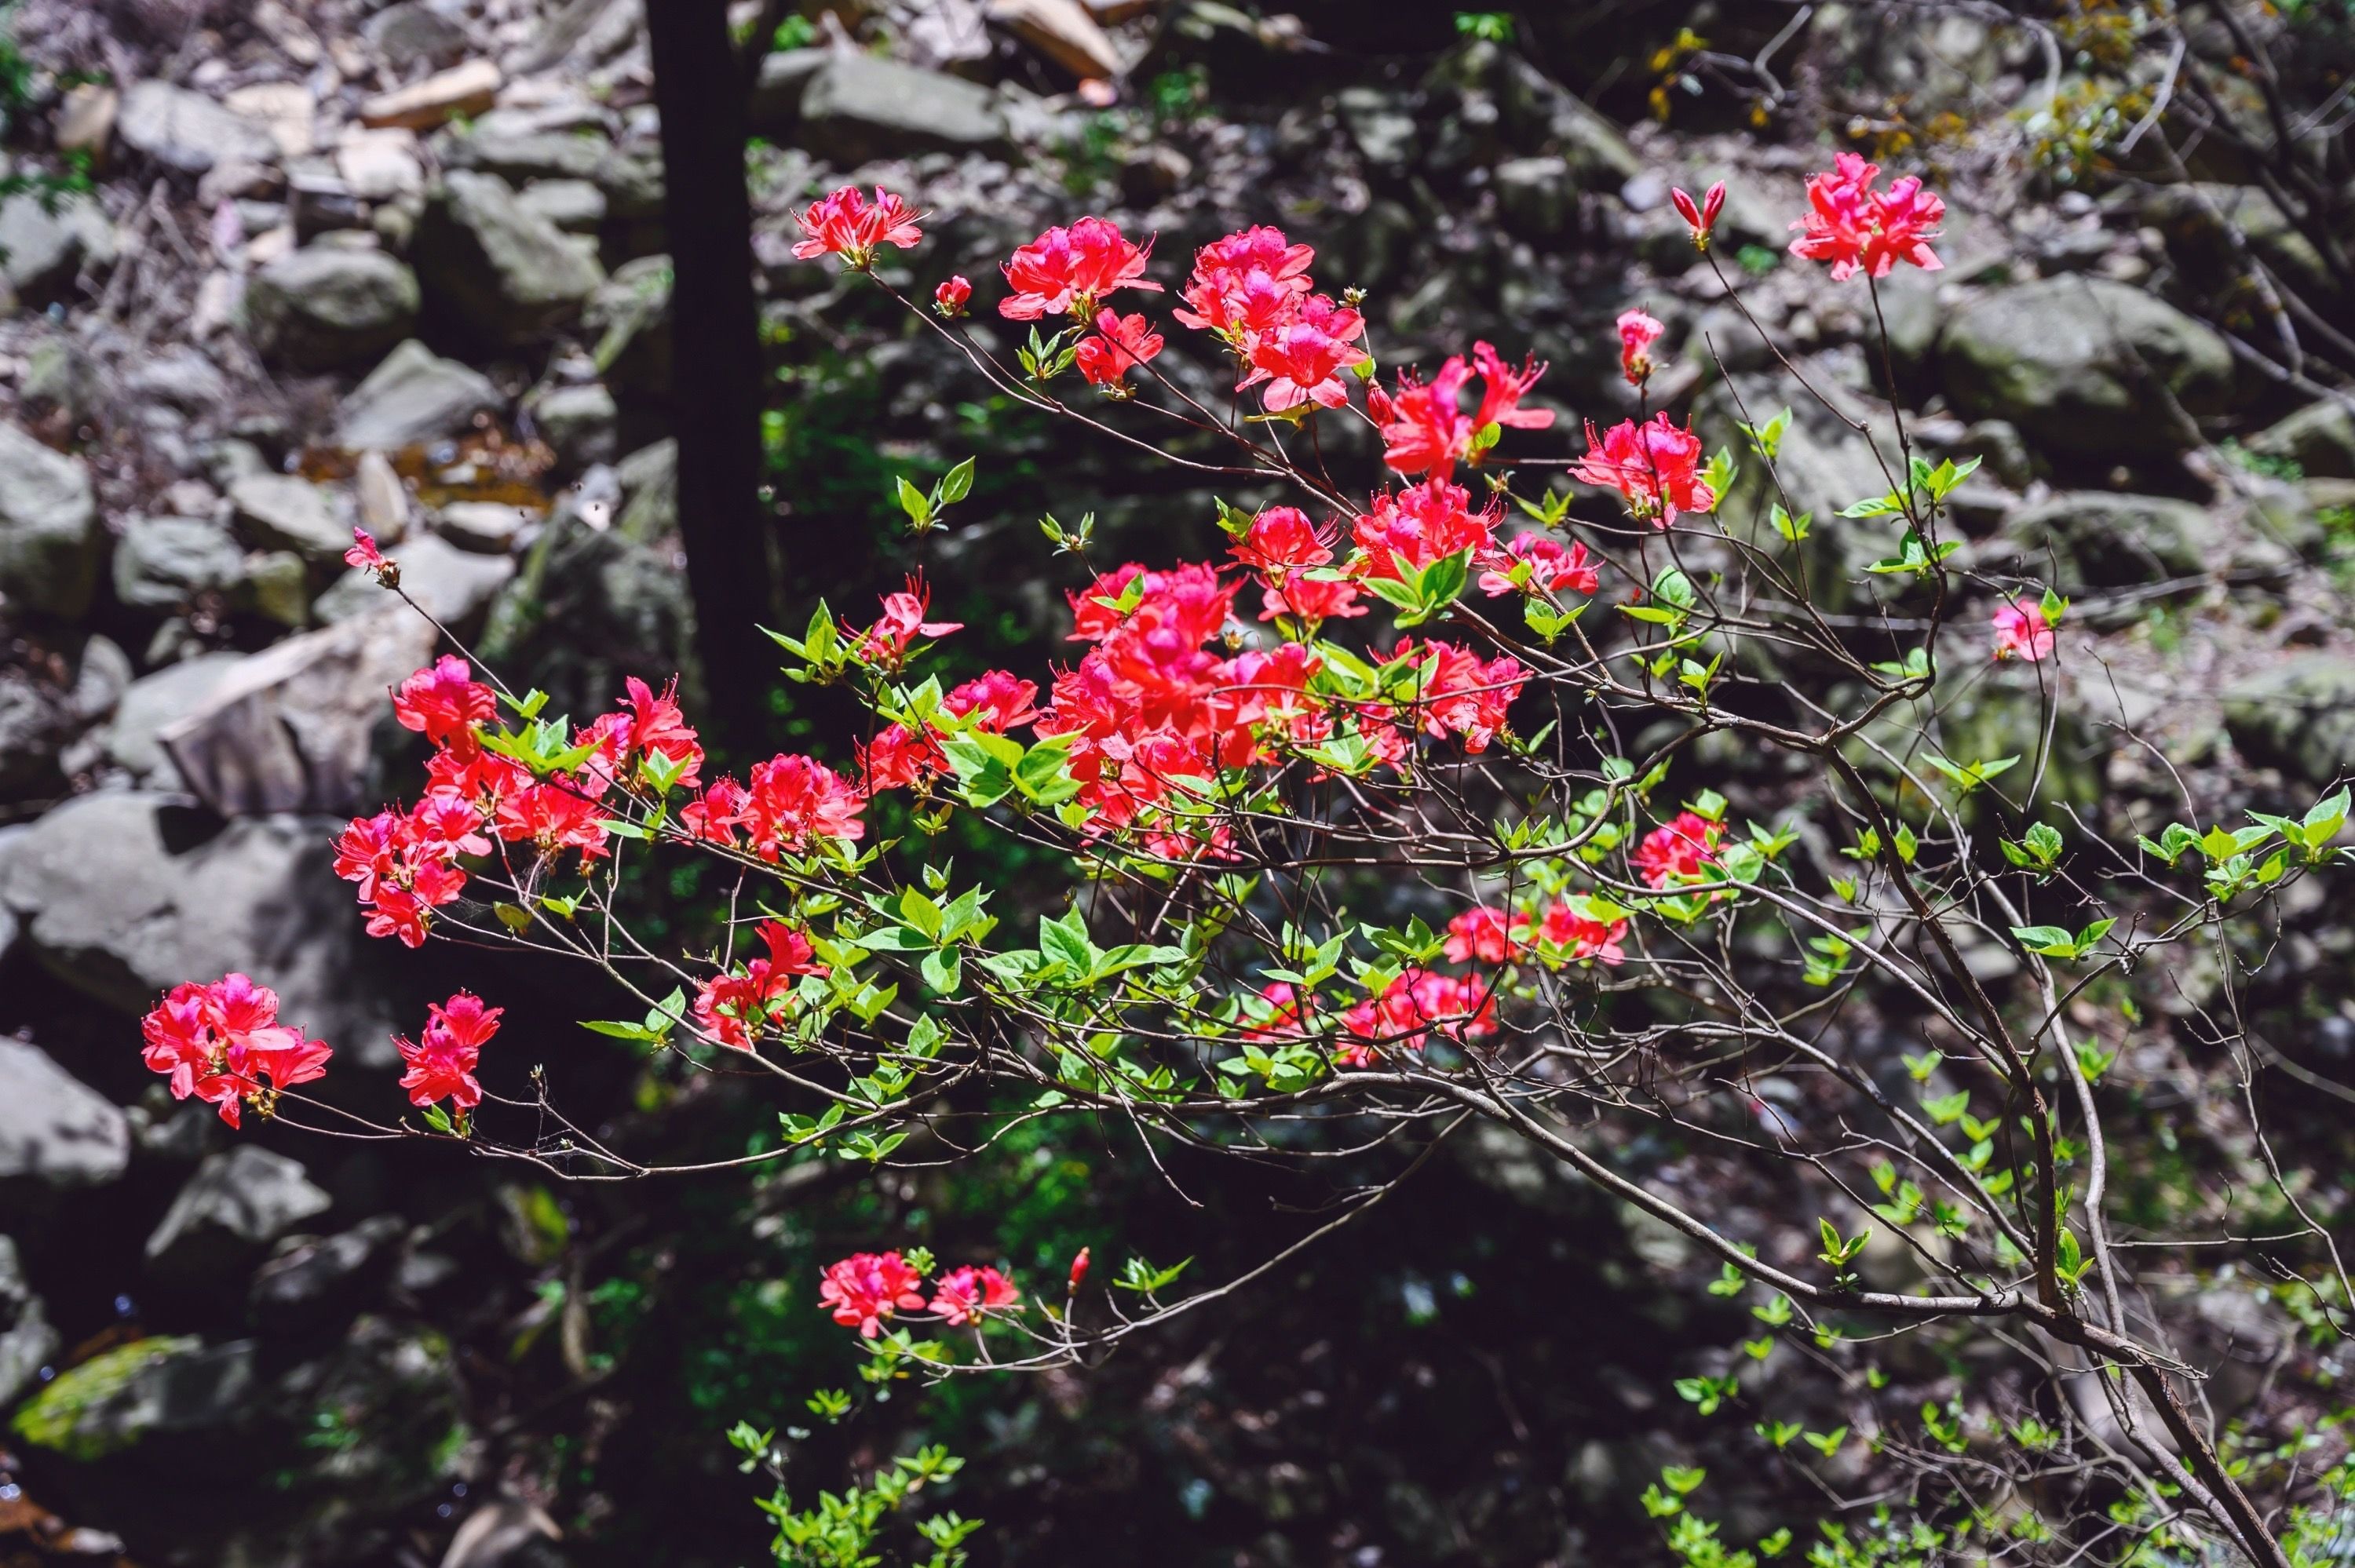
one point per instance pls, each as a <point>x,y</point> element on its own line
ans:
<point>1350,839</point>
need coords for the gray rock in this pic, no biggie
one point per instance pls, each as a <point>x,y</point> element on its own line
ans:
<point>413,33</point>
<point>325,306</point>
<point>576,207</point>
<point>858,108</point>
<point>487,527</point>
<point>60,372</point>
<point>785,76</point>
<point>414,396</point>
<point>27,1341</point>
<point>55,1129</point>
<point>2318,437</point>
<point>507,271</point>
<point>47,239</point>
<point>1541,113</point>
<point>150,1390</point>
<point>165,563</point>
<point>1537,196</point>
<point>47,702</point>
<point>152,703</point>
<point>312,1281</point>
<point>2297,715</point>
<point>454,586</point>
<point>592,608</point>
<point>649,482</point>
<point>2096,539</point>
<point>520,156</point>
<point>2085,365</point>
<point>631,179</point>
<point>237,1204</point>
<point>293,727</point>
<point>50,541</point>
<point>124,895</point>
<point>1381,123</point>
<point>579,422</point>
<point>629,317</point>
<point>181,377</point>
<point>287,512</point>
<point>188,132</point>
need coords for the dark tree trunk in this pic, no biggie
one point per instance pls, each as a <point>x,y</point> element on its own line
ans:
<point>716,383</point>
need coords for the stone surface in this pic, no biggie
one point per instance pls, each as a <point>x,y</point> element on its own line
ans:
<point>858,108</point>
<point>163,563</point>
<point>2085,365</point>
<point>412,396</point>
<point>412,33</point>
<point>785,78</point>
<point>381,497</point>
<point>50,540</point>
<point>649,483</point>
<point>284,109</point>
<point>49,698</point>
<point>579,422</point>
<point>522,153</point>
<point>454,586</point>
<point>293,727</point>
<point>150,1390</point>
<point>153,701</point>
<point>27,1340</point>
<point>576,207</point>
<point>508,273</point>
<point>45,240</point>
<point>313,1281</point>
<point>237,1203</point>
<point>2297,715</point>
<point>487,527</point>
<point>2101,540</point>
<point>380,164</point>
<point>628,322</point>
<point>325,306</point>
<point>287,512</point>
<point>188,132</point>
<point>1064,31</point>
<point>593,609</point>
<point>1537,197</point>
<point>124,895</point>
<point>467,88</point>
<point>85,121</point>
<point>2318,437</point>
<point>55,1129</point>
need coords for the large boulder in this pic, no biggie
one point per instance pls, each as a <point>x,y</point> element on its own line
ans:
<point>578,422</point>
<point>153,703</point>
<point>48,702</point>
<point>312,1280</point>
<point>233,1207</point>
<point>860,107</point>
<point>2100,539</point>
<point>149,1391</point>
<point>2086,367</point>
<point>188,132</point>
<point>503,269</point>
<point>629,321</point>
<point>163,564</point>
<point>293,727</point>
<point>46,239</point>
<point>519,150</point>
<point>50,540</point>
<point>124,895</point>
<point>413,396</point>
<point>287,512</point>
<point>27,1340</point>
<point>2297,715</point>
<point>56,1130</point>
<point>329,306</point>
<point>592,608</point>
<point>2318,437</point>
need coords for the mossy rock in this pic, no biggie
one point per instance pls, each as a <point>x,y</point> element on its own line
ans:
<point>117,1400</point>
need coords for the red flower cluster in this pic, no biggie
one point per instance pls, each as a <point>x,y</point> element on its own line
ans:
<point>792,802</point>
<point>1859,230</point>
<point>1066,271</point>
<point>2023,632</point>
<point>903,622</point>
<point>1463,694</point>
<point>866,1288</point>
<point>1118,345</point>
<point>442,1067</point>
<point>1550,566</point>
<point>950,298</point>
<point>968,1294</point>
<point>1417,1004</point>
<point>844,225</point>
<point>1422,524</point>
<point>732,1008</point>
<point>1566,933</point>
<point>1678,850</point>
<point>1424,428</point>
<point>222,1043</point>
<point>1253,289</point>
<point>863,1290</point>
<point>1655,465</point>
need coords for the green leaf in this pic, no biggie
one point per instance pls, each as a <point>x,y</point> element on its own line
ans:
<point>914,503</point>
<point>957,483</point>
